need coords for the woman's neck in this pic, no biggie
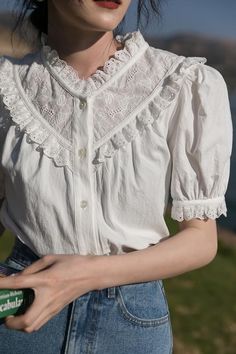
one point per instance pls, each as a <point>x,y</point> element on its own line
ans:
<point>85,51</point>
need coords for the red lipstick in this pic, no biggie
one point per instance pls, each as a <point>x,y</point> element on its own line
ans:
<point>108,4</point>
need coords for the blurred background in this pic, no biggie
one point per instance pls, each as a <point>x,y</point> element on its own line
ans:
<point>202,302</point>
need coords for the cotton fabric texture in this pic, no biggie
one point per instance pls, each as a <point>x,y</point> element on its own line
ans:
<point>87,166</point>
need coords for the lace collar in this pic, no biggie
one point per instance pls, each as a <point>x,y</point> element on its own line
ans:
<point>133,46</point>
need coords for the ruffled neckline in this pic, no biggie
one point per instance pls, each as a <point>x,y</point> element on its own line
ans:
<point>131,42</point>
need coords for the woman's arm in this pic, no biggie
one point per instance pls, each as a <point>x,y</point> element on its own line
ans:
<point>191,248</point>
<point>56,280</point>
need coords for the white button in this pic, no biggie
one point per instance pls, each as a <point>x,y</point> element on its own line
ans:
<point>82,104</point>
<point>83,204</point>
<point>82,153</point>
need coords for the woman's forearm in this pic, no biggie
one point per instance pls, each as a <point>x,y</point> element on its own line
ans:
<point>187,250</point>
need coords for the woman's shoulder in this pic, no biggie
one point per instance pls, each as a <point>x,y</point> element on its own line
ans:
<point>5,60</point>
<point>9,65</point>
<point>161,53</point>
<point>194,68</point>
<point>8,60</point>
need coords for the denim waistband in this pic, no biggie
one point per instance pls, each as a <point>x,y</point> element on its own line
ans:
<point>22,253</point>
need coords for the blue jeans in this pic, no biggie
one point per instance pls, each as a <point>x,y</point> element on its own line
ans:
<point>125,319</point>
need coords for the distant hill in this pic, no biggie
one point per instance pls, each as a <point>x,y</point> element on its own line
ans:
<point>220,53</point>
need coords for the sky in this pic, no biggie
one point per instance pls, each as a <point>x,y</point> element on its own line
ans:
<point>214,18</point>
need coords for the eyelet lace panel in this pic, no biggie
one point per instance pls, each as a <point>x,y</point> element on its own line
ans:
<point>60,150</point>
<point>132,43</point>
<point>52,102</point>
<point>201,209</point>
<point>37,130</point>
<point>135,124</point>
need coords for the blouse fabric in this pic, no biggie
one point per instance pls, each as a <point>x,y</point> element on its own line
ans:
<point>87,166</point>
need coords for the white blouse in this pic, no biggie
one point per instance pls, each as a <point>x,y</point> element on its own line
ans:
<point>87,166</point>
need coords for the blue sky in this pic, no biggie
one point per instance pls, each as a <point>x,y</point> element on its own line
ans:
<point>214,18</point>
<point>211,17</point>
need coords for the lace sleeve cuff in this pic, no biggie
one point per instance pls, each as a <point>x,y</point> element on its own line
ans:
<point>201,209</point>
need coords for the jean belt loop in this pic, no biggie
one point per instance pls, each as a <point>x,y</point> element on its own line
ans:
<point>111,292</point>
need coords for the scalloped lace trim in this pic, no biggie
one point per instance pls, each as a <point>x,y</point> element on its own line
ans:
<point>201,209</point>
<point>147,116</point>
<point>36,131</point>
<point>132,42</point>
<point>39,132</point>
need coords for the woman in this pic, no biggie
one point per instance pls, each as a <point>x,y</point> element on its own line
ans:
<point>97,128</point>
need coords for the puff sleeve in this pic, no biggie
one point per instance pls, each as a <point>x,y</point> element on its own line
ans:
<point>200,142</point>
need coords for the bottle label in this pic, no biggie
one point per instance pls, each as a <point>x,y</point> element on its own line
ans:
<point>13,302</point>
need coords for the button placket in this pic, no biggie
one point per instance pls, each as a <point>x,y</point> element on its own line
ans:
<point>82,104</point>
<point>83,204</point>
<point>83,179</point>
<point>82,152</point>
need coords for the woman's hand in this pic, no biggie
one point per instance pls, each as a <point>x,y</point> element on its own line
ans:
<point>56,280</point>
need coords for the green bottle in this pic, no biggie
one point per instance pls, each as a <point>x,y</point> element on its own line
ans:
<point>13,301</point>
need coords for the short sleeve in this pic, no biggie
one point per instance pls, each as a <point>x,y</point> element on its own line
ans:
<point>200,141</point>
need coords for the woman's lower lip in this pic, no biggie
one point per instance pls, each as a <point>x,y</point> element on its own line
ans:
<point>107,4</point>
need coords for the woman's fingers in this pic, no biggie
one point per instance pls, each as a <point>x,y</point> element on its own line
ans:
<point>41,320</point>
<point>19,282</point>
<point>39,265</point>
<point>45,316</point>
<point>25,322</point>
<point>56,282</point>
<point>36,316</point>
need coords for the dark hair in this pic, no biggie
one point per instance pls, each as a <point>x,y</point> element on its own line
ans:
<point>39,14</point>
